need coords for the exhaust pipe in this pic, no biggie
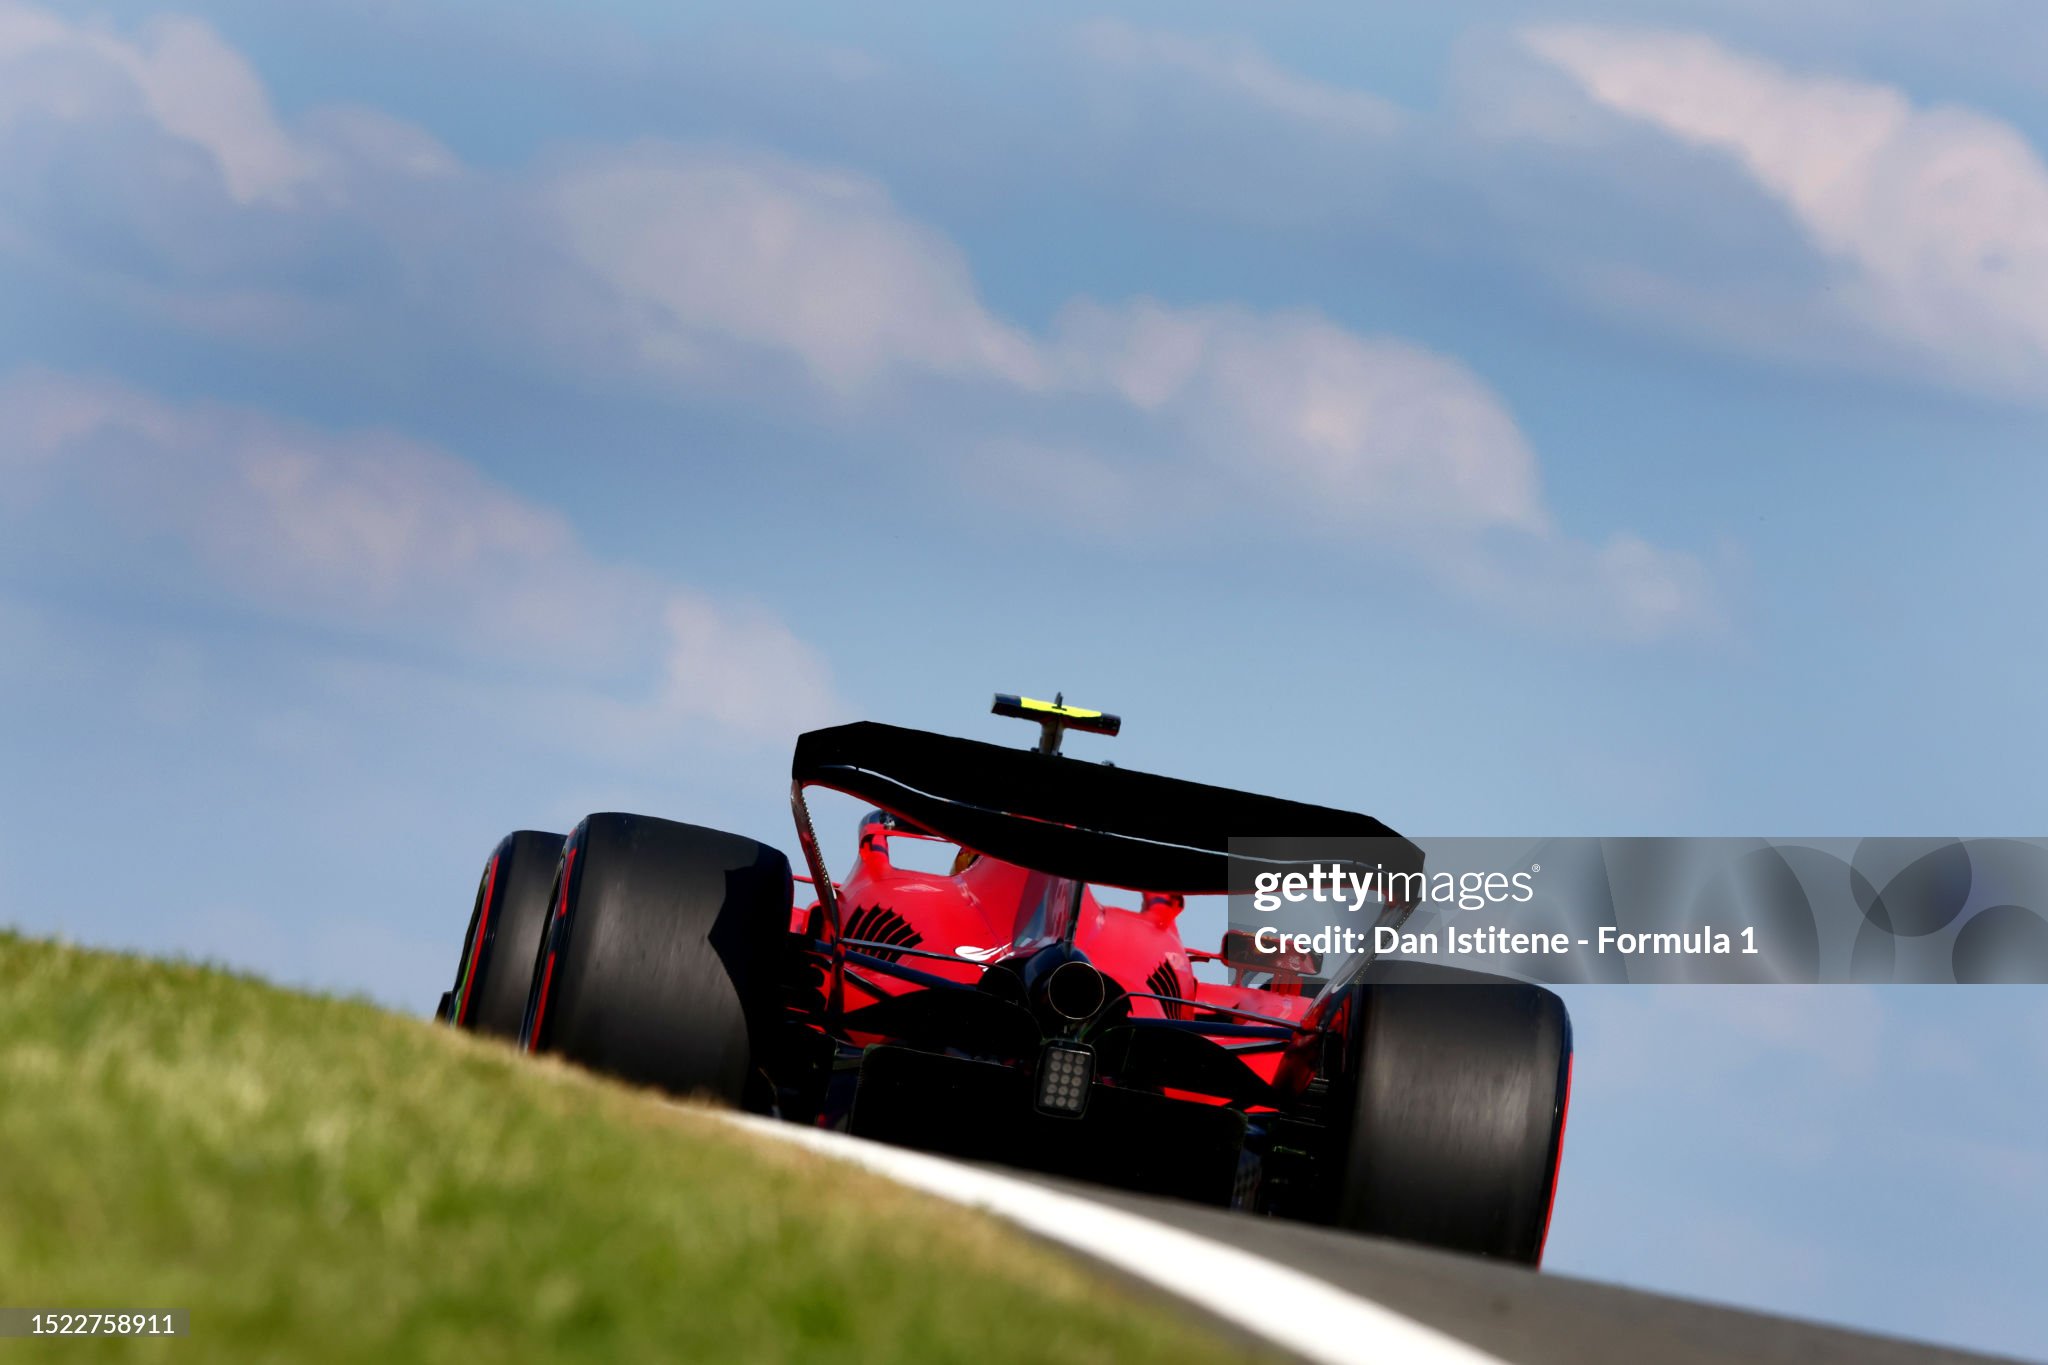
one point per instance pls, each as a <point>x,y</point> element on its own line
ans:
<point>1075,990</point>
<point>1064,988</point>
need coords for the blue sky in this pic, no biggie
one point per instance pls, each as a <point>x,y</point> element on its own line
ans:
<point>423,420</point>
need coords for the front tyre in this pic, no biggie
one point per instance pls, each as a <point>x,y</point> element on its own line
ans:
<point>1457,1087</point>
<point>660,958</point>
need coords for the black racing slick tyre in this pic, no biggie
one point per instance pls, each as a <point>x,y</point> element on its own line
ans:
<point>661,956</point>
<point>1457,1089</point>
<point>495,973</point>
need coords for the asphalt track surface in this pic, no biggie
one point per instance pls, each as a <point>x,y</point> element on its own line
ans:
<point>1329,1296</point>
<point>1525,1317</point>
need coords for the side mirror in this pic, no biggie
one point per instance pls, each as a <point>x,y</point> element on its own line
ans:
<point>1240,950</point>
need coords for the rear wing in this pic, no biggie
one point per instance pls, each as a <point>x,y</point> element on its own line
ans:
<point>1085,821</point>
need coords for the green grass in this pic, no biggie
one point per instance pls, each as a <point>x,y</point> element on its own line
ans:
<point>317,1179</point>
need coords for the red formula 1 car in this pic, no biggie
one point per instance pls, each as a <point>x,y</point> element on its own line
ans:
<point>1001,1011</point>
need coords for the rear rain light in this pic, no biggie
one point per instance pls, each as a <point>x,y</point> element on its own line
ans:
<point>1065,1071</point>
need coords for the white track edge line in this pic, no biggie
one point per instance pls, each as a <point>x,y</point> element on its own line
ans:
<point>1310,1317</point>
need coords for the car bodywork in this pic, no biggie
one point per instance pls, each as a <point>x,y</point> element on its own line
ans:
<point>1005,1011</point>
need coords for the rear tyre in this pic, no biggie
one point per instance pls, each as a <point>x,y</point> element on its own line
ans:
<point>1457,1088</point>
<point>660,960</point>
<point>495,973</point>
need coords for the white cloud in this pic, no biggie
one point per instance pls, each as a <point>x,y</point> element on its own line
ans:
<point>346,138</point>
<point>1240,70</point>
<point>180,77</point>
<point>1373,439</point>
<point>1624,585</point>
<point>1349,428</point>
<point>700,246</point>
<point>698,270</point>
<point>1938,217</point>
<point>741,667</point>
<point>354,526</point>
<point>176,71</point>
<point>401,541</point>
<point>146,169</point>
<point>672,261</point>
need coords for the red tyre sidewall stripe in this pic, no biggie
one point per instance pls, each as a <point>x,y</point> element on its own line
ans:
<point>540,1011</point>
<point>1550,1200</point>
<point>547,976</point>
<point>476,949</point>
